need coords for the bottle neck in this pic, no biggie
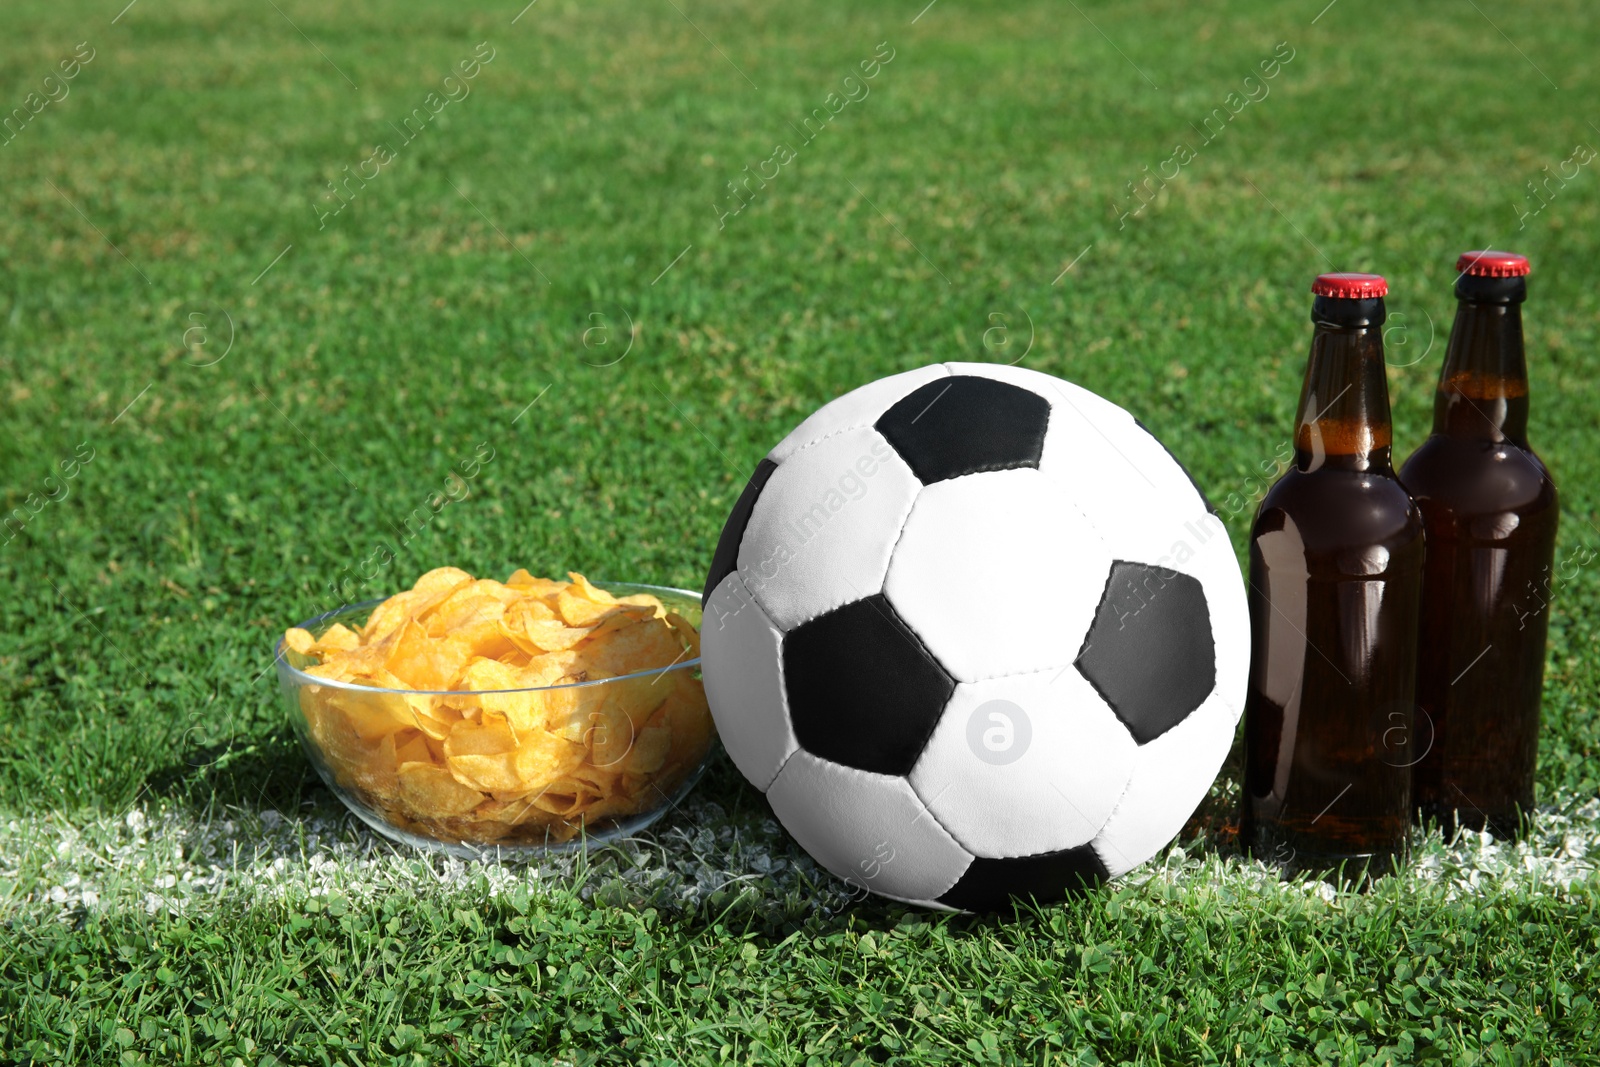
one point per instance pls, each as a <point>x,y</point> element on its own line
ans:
<point>1344,405</point>
<point>1483,388</point>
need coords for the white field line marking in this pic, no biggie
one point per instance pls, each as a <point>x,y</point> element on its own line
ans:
<point>161,858</point>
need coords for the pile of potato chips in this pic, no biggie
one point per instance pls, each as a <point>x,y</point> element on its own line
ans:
<point>492,755</point>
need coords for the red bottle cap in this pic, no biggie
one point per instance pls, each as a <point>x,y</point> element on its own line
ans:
<point>1350,286</point>
<point>1493,265</point>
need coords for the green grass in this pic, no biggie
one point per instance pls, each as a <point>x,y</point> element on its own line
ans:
<point>381,350</point>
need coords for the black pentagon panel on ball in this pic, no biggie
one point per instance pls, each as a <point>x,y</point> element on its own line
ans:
<point>1149,652</point>
<point>863,691</point>
<point>966,424</point>
<point>726,557</point>
<point>1186,473</point>
<point>991,885</point>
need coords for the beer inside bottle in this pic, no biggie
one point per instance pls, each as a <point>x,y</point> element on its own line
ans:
<point>1335,585</point>
<point>1490,510</point>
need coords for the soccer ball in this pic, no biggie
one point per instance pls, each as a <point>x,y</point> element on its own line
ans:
<point>976,634</point>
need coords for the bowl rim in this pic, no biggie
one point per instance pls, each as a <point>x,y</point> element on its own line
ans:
<point>288,672</point>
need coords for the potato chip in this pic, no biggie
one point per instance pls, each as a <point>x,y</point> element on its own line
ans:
<point>523,581</point>
<point>377,775</point>
<point>565,797</point>
<point>601,781</point>
<point>528,625</point>
<point>644,600</point>
<point>642,785</point>
<point>519,707</point>
<point>424,662</point>
<point>484,772</point>
<point>470,602</point>
<point>578,610</point>
<point>583,588</point>
<point>686,633</point>
<point>543,757</point>
<point>483,756</point>
<point>637,696</point>
<point>649,750</point>
<point>687,719</point>
<point>553,668</point>
<point>507,743</point>
<point>487,640</point>
<point>411,748</point>
<point>298,640</point>
<point>461,611</point>
<point>441,581</point>
<point>480,739</point>
<point>616,802</point>
<point>610,736</point>
<point>435,748</point>
<point>338,638</point>
<point>559,708</point>
<point>337,740</point>
<point>435,716</point>
<point>512,810</point>
<point>364,662</point>
<point>427,787</point>
<point>356,763</point>
<point>372,713</point>
<point>633,645</point>
<point>398,610</point>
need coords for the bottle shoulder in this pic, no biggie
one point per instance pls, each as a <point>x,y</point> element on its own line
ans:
<point>1334,513</point>
<point>1478,478</point>
<point>1332,490</point>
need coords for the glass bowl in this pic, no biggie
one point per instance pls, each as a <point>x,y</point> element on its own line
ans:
<point>631,772</point>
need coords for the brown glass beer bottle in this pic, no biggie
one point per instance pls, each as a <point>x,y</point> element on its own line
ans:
<point>1489,508</point>
<point>1336,558</point>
